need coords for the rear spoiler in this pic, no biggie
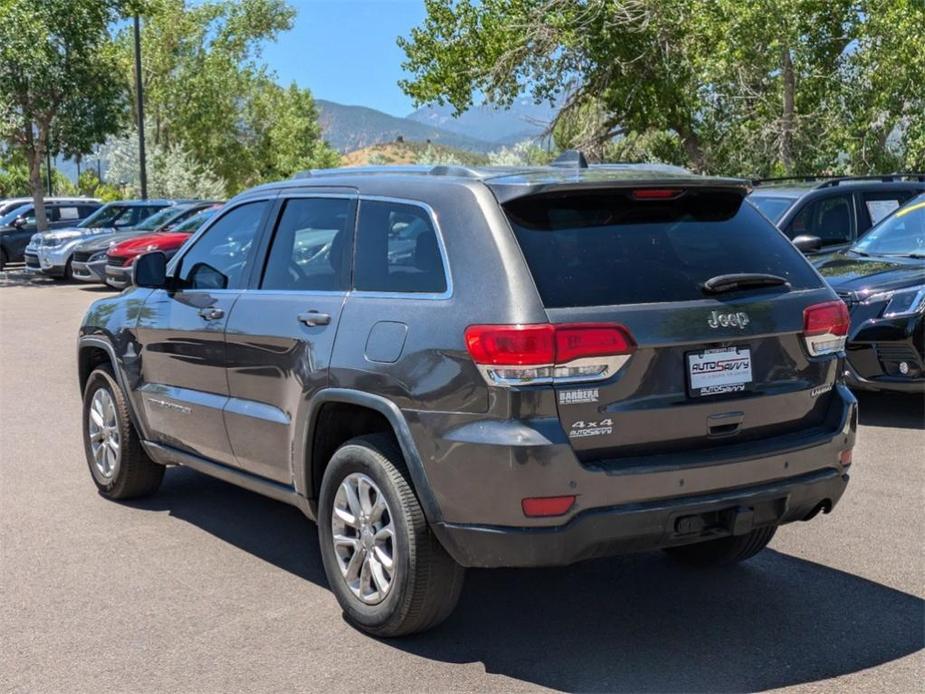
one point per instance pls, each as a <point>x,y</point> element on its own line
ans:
<point>506,189</point>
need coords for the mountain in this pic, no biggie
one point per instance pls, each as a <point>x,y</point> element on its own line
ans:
<point>524,120</point>
<point>348,128</point>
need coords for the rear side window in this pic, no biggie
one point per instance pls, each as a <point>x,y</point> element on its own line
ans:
<point>596,249</point>
<point>311,246</point>
<point>397,250</point>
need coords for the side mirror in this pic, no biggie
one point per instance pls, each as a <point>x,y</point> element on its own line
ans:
<point>807,244</point>
<point>150,270</point>
<point>19,222</point>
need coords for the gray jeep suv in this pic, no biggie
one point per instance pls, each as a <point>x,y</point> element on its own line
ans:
<point>449,368</point>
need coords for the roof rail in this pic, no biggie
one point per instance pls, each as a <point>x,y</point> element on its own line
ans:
<point>831,181</point>
<point>885,178</point>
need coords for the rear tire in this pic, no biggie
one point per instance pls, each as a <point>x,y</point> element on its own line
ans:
<point>119,466</point>
<point>423,583</point>
<point>726,550</point>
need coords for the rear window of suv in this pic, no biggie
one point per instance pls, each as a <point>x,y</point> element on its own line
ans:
<point>604,248</point>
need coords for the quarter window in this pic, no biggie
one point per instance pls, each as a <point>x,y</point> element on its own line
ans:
<point>220,258</point>
<point>311,246</point>
<point>397,250</point>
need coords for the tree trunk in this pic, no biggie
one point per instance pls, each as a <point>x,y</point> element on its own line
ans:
<point>787,121</point>
<point>35,152</point>
<point>692,148</point>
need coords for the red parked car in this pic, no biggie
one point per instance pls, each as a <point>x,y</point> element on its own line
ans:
<point>120,257</point>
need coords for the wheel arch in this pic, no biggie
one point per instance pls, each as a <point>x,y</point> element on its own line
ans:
<point>375,414</point>
<point>94,351</point>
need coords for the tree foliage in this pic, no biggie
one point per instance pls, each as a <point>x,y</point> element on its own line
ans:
<point>172,171</point>
<point>59,80</point>
<point>755,88</point>
<point>207,90</point>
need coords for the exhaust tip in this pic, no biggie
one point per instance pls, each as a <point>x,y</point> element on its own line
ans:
<point>824,506</point>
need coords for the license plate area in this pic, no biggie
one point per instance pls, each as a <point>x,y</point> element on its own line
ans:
<point>719,371</point>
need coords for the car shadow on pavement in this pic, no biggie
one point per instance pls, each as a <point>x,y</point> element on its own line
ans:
<point>906,411</point>
<point>637,623</point>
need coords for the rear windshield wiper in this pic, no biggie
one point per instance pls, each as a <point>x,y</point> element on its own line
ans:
<point>742,280</point>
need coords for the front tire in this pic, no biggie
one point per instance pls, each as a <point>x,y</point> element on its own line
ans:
<point>724,551</point>
<point>119,466</point>
<point>386,568</point>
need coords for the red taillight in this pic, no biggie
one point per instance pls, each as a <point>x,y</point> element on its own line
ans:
<point>589,340</point>
<point>825,327</point>
<point>829,318</point>
<point>547,506</point>
<point>845,457</point>
<point>657,193</point>
<point>517,345</point>
<point>520,354</point>
<point>511,345</point>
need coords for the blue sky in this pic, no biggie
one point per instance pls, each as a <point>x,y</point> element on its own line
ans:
<point>345,51</point>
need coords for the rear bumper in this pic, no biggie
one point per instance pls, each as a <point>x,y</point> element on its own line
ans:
<point>646,526</point>
<point>635,507</point>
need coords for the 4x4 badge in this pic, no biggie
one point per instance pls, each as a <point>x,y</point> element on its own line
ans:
<point>728,320</point>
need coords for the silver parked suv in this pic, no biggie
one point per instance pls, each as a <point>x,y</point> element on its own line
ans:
<point>450,367</point>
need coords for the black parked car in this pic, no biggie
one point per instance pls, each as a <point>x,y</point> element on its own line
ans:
<point>18,225</point>
<point>826,216</point>
<point>882,279</point>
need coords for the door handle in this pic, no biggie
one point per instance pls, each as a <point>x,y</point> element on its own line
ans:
<point>211,313</point>
<point>313,318</point>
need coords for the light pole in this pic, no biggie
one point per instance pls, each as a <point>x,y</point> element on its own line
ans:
<point>140,110</point>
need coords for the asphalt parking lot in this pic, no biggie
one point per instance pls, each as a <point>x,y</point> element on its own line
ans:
<point>209,588</point>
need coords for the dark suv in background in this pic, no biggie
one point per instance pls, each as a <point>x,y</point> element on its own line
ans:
<point>456,367</point>
<point>18,224</point>
<point>825,215</point>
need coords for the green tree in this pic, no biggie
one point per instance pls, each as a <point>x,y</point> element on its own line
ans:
<point>208,91</point>
<point>757,87</point>
<point>59,81</point>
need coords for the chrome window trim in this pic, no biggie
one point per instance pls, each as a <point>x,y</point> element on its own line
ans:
<point>444,257</point>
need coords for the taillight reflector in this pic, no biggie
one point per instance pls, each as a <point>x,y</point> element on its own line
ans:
<point>547,506</point>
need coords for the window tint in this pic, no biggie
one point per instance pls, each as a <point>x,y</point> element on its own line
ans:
<point>219,259</point>
<point>397,250</point>
<point>86,210</point>
<point>829,219</point>
<point>598,249</point>
<point>311,246</point>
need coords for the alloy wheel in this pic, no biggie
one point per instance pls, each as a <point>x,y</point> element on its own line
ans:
<point>364,538</point>
<point>103,428</point>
